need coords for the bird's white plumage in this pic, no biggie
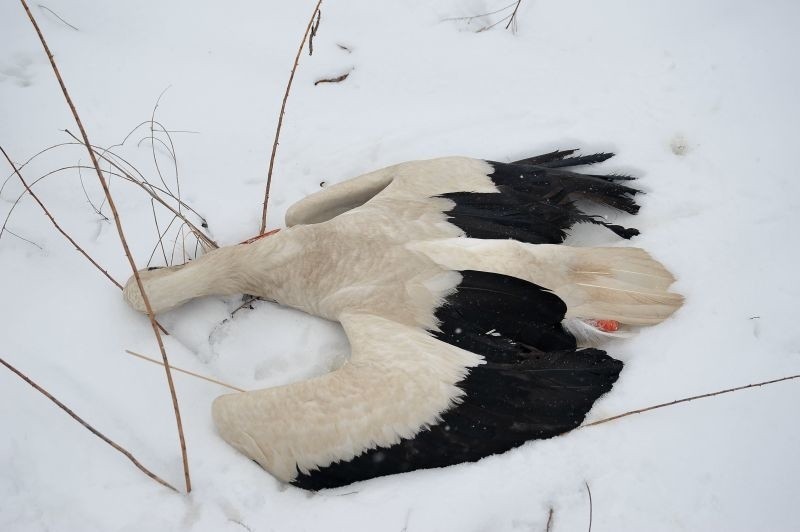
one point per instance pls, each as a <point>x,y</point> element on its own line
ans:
<point>377,397</point>
<point>378,254</point>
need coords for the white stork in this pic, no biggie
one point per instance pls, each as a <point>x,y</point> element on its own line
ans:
<point>460,308</point>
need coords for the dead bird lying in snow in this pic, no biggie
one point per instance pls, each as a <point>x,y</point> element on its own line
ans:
<point>461,309</point>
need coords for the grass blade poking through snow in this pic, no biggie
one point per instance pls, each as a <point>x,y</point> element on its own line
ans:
<point>124,242</point>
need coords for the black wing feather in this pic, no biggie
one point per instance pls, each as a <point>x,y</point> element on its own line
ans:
<point>536,197</point>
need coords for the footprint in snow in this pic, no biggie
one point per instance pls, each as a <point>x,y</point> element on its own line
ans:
<point>18,70</point>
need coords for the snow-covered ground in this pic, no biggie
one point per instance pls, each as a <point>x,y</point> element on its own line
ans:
<point>698,98</point>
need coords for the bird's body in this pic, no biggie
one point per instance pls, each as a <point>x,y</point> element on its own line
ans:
<point>448,280</point>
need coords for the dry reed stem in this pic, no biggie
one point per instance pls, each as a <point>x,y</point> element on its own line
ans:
<point>124,243</point>
<point>549,525</point>
<point>55,223</point>
<point>185,371</point>
<point>88,427</point>
<point>687,399</point>
<point>280,117</point>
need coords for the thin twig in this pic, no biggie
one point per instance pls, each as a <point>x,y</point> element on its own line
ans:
<point>160,242</point>
<point>124,243</point>
<point>479,16</point>
<point>159,124</point>
<point>31,185</point>
<point>280,118</point>
<point>55,223</point>
<point>85,193</point>
<point>687,399</point>
<point>158,232</point>
<point>58,17</point>
<point>175,244</point>
<point>495,24</point>
<point>549,526</point>
<point>31,242</point>
<point>153,148</point>
<point>187,372</point>
<point>29,189</point>
<point>591,510</point>
<point>87,426</point>
<point>32,157</point>
<point>514,14</point>
<point>144,184</point>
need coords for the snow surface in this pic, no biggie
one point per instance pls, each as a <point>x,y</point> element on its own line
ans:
<point>698,98</point>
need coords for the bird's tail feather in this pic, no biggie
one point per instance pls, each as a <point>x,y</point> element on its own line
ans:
<point>623,284</point>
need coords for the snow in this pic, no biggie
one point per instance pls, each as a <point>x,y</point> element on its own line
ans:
<point>698,98</point>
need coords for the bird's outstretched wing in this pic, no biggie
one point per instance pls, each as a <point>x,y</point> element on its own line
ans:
<point>530,200</point>
<point>397,380</point>
<point>409,399</point>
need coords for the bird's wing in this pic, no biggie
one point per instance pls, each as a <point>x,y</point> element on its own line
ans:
<point>533,382</point>
<point>398,380</point>
<point>531,200</point>
<point>410,399</point>
<point>412,180</point>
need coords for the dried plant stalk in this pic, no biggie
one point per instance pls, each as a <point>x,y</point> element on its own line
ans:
<point>124,242</point>
<point>280,117</point>
<point>88,427</point>
<point>693,398</point>
<point>186,371</point>
<point>55,223</point>
<point>150,190</point>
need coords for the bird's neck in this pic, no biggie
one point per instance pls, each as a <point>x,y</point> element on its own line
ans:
<point>256,268</point>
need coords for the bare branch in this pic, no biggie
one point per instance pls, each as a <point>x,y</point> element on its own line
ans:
<point>124,243</point>
<point>88,427</point>
<point>280,118</point>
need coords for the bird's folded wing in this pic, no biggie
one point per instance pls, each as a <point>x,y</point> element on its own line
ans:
<point>398,380</point>
<point>412,180</point>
